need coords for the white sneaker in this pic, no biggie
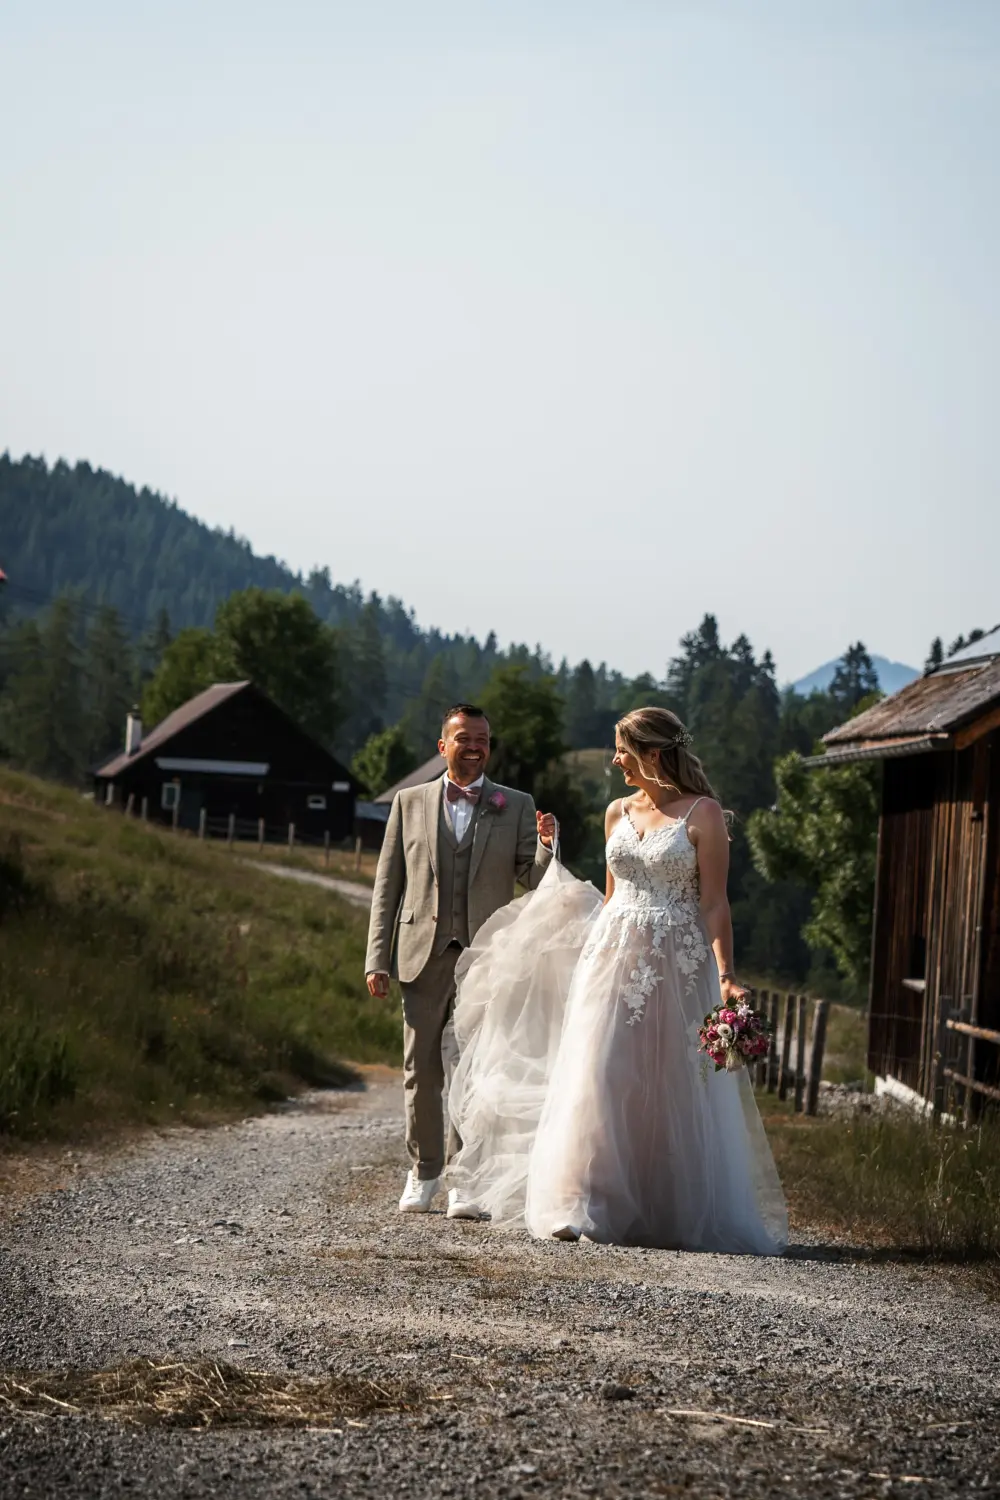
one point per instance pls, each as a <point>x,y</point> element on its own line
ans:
<point>418,1195</point>
<point>461,1208</point>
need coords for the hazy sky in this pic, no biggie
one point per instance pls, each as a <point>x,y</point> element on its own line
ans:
<point>572,320</point>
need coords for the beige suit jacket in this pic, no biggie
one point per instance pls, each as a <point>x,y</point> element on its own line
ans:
<point>404,915</point>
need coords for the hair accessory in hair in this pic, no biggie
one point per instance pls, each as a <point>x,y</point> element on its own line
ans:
<point>680,739</point>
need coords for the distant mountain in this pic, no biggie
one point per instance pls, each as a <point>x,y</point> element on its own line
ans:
<point>892,675</point>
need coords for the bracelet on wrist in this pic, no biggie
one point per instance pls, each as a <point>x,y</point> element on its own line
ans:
<point>727,974</point>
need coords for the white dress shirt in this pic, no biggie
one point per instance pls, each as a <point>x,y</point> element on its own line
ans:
<point>459,814</point>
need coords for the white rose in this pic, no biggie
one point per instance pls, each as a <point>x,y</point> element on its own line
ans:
<point>725,1032</point>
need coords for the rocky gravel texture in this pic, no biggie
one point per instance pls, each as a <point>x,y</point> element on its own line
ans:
<point>543,1369</point>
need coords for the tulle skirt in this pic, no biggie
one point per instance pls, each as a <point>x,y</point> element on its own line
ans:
<point>580,1096</point>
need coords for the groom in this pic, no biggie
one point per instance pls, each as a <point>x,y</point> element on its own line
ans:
<point>452,852</point>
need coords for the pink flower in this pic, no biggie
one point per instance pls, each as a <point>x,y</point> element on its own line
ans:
<point>729,1016</point>
<point>498,800</point>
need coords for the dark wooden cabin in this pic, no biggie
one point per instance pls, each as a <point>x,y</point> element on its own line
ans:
<point>934,1007</point>
<point>231,752</point>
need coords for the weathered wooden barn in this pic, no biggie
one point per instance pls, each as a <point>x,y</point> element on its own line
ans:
<point>231,753</point>
<point>934,1011</point>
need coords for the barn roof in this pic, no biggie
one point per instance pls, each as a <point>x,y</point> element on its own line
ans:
<point>944,710</point>
<point>429,771</point>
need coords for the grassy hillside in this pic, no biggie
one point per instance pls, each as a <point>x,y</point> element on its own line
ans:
<point>144,977</point>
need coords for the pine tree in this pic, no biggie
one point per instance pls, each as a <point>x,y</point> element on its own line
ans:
<point>699,649</point>
<point>855,678</point>
<point>422,719</point>
<point>42,720</point>
<point>110,683</point>
<point>365,677</point>
<point>153,646</point>
<point>581,708</point>
<point>935,656</point>
<point>961,641</point>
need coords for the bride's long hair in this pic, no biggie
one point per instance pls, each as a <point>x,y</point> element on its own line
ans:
<point>659,742</point>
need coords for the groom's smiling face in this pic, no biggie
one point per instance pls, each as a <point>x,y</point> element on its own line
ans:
<point>465,745</point>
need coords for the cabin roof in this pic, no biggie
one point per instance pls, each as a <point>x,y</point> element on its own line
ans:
<point>429,771</point>
<point>940,711</point>
<point>189,713</point>
<point>937,704</point>
<point>199,707</point>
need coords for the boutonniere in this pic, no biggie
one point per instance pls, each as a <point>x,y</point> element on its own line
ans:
<point>497,802</point>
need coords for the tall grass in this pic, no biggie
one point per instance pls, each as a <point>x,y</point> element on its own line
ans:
<point>895,1181</point>
<point>146,977</point>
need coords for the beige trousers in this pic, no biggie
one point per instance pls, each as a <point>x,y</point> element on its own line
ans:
<point>430,1053</point>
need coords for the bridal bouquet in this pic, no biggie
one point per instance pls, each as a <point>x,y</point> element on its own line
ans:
<point>732,1036</point>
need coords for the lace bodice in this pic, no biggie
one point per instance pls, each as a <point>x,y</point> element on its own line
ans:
<point>658,871</point>
<point>654,908</point>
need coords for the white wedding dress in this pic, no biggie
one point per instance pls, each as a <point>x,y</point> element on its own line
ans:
<point>579,1095</point>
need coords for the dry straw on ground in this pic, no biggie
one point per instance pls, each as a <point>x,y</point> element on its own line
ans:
<point>208,1394</point>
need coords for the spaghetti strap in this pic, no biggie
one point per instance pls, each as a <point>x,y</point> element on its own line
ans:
<point>691,809</point>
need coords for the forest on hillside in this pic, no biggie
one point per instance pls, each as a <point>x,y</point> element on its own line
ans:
<point>116,596</point>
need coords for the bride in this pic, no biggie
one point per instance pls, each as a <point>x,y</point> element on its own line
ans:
<point>580,1097</point>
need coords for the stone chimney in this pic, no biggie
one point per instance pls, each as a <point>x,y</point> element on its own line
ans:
<point>133,732</point>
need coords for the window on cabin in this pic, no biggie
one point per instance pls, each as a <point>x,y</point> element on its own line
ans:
<point>170,795</point>
<point>316,802</point>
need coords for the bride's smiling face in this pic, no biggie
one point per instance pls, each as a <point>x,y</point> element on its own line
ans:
<point>628,764</point>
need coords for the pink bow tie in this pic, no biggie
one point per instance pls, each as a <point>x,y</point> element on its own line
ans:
<point>456,793</point>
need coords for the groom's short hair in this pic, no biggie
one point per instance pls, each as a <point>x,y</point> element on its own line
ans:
<point>467,711</point>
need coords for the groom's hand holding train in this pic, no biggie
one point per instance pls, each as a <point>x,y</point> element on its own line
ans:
<point>452,852</point>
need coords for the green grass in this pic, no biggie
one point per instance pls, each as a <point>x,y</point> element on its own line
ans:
<point>145,977</point>
<point>893,1182</point>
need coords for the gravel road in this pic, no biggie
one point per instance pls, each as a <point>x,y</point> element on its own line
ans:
<point>544,1369</point>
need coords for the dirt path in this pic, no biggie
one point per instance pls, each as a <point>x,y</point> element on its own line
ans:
<point>275,1245</point>
<point>349,890</point>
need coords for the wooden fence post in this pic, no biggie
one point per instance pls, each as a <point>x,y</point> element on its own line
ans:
<point>176,817</point>
<point>326,849</point>
<point>357,853</point>
<point>291,837</point>
<point>130,805</point>
<point>260,835</point>
<point>786,1046</point>
<point>145,809</point>
<point>772,1056</point>
<point>800,1055</point>
<point>820,1015</point>
<point>231,830</point>
<point>202,823</point>
<point>759,1002</point>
